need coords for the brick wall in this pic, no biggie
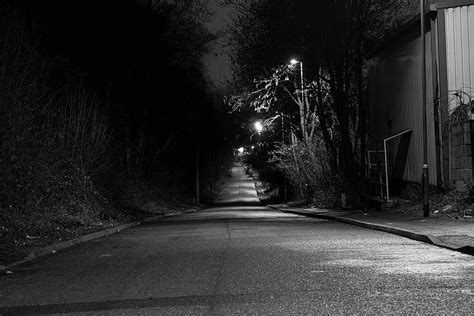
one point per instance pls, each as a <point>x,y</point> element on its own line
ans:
<point>462,146</point>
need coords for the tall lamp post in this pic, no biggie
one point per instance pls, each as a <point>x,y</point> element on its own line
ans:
<point>303,100</point>
<point>259,128</point>
<point>294,62</point>
<point>425,173</point>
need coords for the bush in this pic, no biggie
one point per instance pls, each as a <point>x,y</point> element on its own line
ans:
<point>52,141</point>
<point>306,165</point>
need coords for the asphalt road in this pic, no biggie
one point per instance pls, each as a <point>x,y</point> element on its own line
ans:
<point>244,260</point>
<point>236,260</point>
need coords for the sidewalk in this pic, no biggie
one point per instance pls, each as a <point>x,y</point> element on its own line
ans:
<point>444,232</point>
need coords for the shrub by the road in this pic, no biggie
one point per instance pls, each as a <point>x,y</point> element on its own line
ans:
<point>53,140</point>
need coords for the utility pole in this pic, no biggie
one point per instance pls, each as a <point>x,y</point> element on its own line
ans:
<point>425,173</point>
<point>303,103</point>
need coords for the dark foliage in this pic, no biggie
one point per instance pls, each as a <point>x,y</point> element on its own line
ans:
<point>332,39</point>
<point>102,104</point>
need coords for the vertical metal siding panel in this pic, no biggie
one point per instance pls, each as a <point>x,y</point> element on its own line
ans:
<point>415,98</point>
<point>406,111</point>
<point>450,53</point>
<point>457,48</point>
<point>434,79</point>
<point>460,51</point>
<point>433,175</point>
<point>415,155</point>
<point>443,91</point>
<point>394,94</point>
<point>466,80</point>
<point>470,16</point>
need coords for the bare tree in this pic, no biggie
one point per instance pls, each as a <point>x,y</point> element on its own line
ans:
<point>331,38</point>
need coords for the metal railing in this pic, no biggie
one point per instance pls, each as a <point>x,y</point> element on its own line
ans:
<point>379,165</point>
<point>385,154</point>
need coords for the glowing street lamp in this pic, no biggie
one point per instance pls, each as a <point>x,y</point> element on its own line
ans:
<point>294,62</point>
<point>241,150</point>
<point>258,126</point>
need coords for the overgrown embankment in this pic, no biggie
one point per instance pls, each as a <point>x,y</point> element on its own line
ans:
<point>74,161</point>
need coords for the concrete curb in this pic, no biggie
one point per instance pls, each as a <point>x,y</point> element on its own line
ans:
<point>388,229</point>
<point>69,243</point>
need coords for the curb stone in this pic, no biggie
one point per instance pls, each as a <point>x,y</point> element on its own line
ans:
<point>66,244</point>
<point>388,229</point>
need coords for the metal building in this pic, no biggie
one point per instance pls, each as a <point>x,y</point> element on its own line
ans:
<point>395,106</point>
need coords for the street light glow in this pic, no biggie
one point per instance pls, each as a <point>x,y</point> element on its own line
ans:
<point>241,150</point>
<point>294,61</point>
<point>258,126</point>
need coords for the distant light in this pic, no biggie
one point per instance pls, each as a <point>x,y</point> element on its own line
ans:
<point>294,61</point>
<point>253,147</point>
<point>241,150</point>
<point>258,126</point>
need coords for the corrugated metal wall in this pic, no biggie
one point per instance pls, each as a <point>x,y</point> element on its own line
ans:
<point>460,51</point>
<point>395,94</point>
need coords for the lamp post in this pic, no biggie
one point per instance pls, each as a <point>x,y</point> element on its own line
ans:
<point>303,100</point>
<point>258,126</point>
<point>425,173</point>
<point>294,62</point>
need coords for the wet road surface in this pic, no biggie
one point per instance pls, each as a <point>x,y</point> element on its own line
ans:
<point>236,260</point>
<point>245,259</point>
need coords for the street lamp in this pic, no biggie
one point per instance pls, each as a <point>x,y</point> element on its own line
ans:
<point>295,62</point>
<point>258,126</point>
<point>425,171</point>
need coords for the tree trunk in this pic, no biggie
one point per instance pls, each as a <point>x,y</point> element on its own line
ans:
<point>198,199</point>
<point>331,149</point>
<point>346,157</point>
<point>362,113</point>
